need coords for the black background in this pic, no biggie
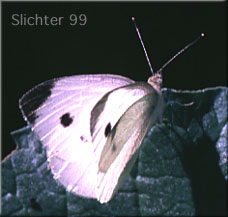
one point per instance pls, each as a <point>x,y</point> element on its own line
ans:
<point>108,43</point>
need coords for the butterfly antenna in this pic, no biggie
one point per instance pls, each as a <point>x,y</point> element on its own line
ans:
<point>181,51</point>
<point>140,38</point>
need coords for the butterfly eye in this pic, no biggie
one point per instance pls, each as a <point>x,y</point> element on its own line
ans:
<point>66,120</point>
<point>107,129</point>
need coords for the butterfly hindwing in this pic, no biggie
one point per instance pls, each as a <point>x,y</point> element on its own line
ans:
<point>59,112</point>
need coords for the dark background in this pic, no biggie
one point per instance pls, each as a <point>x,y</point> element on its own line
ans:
<point>108,43</point>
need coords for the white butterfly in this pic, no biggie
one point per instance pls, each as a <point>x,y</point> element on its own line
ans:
<point>92,127</point>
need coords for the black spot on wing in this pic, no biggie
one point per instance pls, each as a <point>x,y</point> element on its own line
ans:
<point>66,120</point>
<point>83,139</point>
<point>107,129</point>
<point>34,98</point>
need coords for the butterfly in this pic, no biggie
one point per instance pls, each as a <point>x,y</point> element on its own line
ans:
<point>92,127</point>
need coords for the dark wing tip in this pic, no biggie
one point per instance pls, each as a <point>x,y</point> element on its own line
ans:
<point>35,98</point>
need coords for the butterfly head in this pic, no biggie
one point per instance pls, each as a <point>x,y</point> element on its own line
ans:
<point>155,81</point>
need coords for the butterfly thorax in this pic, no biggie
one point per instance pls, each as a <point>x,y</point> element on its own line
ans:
<point>156,81</point>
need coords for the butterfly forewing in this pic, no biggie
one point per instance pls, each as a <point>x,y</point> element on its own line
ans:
<point>127,112</point>
<point>110,108</point>
<point>59,112</point>
<point>121,147</point>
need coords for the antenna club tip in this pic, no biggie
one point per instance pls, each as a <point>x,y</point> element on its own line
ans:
<point>202,34</point>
